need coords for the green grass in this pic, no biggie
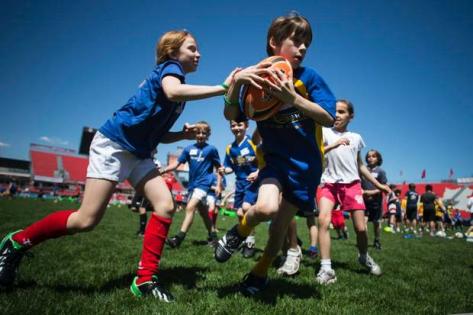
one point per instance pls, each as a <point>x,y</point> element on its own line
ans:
<point>90,273</point>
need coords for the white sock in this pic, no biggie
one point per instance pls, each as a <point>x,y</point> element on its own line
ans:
<point>326,264</point>
<point>250,240</point>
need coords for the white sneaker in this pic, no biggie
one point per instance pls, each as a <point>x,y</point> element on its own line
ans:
<point>292,263</point>
<point>326,277</point>
<point>370,264</point>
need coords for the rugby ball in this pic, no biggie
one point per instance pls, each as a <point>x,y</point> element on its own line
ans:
<point>258,104</point>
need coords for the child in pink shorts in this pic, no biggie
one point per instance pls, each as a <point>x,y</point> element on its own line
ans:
<point>341,185</point>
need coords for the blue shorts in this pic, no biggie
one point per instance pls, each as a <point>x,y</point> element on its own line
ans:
<point>296,190</point>
<point>251,194</point>
<point>245,192</point>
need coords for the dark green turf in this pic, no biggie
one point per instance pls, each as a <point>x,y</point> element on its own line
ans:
<point>90,273</point>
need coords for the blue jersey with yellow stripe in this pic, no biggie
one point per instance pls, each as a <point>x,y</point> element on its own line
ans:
<point>292,142</point>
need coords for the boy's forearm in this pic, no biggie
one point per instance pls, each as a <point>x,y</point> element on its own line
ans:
<point>314,111</point>
<point>172,136</point>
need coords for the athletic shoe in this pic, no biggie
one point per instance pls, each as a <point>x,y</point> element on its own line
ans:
<point>292,263</point>
<point>370,264</point>
<point>248,250</point>
<point>377,244</point>
<point>174,242</point>
<point>251,285</point>
<point>212,240</point>
<point>326,276</point>
<point>11,254</point>
<point>313,252</point>
<point>228,245</point>
<point>151,288</point>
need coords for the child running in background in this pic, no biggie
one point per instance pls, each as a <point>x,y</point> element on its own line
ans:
<point>372,196</point>
<point>341,184</point>
<point>202,159</point>
<point>213,202</point>
<point>240,158</point>
<point>290,143</point>
<point>122,149</point>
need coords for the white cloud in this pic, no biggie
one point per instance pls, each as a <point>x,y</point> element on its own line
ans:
<point>4,145</point>
<point>54,140</point>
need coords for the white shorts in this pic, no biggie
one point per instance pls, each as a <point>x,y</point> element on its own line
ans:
<point>198,194</point>
<point>210,200</point>
<point>108,160</point>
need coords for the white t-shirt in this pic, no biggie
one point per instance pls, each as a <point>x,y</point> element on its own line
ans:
<point>341,162</point>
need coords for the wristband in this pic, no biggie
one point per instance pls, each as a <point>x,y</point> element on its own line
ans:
<point>225,86</point>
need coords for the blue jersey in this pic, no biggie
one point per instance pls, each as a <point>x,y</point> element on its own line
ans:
<point>148,115</point>
<point>241,158</point>
<point>292,142</point>
<point>213,184</point>
<point>201,158</point>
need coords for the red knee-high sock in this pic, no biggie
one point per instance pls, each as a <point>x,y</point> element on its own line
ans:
<point>211,216</point>
<point>153,244</point>
<point>51,226</point>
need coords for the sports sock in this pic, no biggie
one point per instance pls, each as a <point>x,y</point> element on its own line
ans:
<point>51,226</point>
<point>326,264</point>
<point>243,228</point>
<point>211,216</point>
<point>153,244</point>
<point>214,218</point>
<point>262,266</point>
<point>143,221</point>
<point>250,241</point>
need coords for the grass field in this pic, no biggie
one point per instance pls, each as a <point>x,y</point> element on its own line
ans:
<point>91,273</point>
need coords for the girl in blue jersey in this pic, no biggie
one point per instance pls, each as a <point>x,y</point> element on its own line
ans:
<point>202,159</point>
<point>121,150</point>
<point>290,143</point>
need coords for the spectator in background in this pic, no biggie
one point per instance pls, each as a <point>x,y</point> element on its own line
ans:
<point>372,196</point>
<point>412,200</point>
<point>469,205</point>
<point>429,199</point>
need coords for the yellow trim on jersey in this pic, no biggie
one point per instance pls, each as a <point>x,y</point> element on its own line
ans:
<point>253,146</point>
<point>227,150</point>
<point>300,87</point>
<point>260,157</point>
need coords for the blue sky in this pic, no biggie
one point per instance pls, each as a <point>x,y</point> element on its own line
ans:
<point>406,65</point>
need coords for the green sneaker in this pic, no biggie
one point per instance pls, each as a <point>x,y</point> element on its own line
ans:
<point>151,288</point>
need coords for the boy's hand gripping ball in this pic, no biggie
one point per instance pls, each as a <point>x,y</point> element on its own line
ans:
<point>258,104</point>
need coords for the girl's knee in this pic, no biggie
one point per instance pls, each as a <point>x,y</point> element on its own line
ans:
<point>85,224</point>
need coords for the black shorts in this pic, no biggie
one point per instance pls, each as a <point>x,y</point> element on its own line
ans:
<point>429,215</point>
<point>373,212</point>
<point>411,213</point>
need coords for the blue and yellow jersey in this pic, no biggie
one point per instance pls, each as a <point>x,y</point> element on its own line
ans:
<point>292,142</point>
<point>241,158</point>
